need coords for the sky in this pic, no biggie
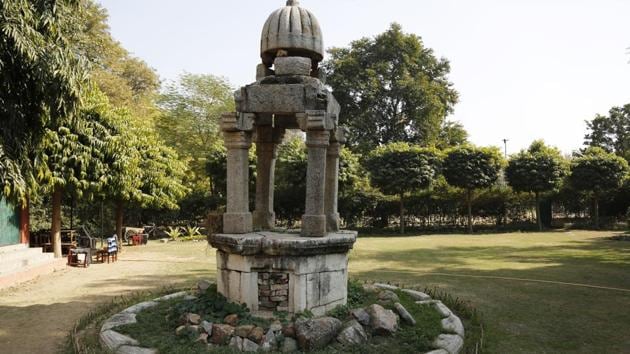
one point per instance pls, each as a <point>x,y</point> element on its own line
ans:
<point>525,69</point>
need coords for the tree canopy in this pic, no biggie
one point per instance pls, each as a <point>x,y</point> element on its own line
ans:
<point>597,171</point>
<point>539,169</point>
<point>469,167</point>
<point>400,168</point>
<point>611,132</point>
<point>390,88</point>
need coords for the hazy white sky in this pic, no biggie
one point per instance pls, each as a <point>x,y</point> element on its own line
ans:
<point>525,69</point>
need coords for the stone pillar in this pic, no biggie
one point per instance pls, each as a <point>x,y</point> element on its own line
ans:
<point>332,186</point>
<point>317,141</point>
<point>267,140</point>
<point>237,219</point>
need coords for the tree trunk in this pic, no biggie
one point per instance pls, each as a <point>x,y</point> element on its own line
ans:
<point>402,213</point>
<point>120,208</point>
<point>538,219</point>
<point>469,206</point>
<point>596,211</point>
<point>55,227</point>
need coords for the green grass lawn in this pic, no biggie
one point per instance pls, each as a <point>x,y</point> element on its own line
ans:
<point>538,292</point>
<point>554,292</point>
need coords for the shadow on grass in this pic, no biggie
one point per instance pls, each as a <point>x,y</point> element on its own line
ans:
<point>567,298</point>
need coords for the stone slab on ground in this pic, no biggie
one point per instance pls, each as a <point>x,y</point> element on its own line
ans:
<point>416,295</point>
<point>316,333</point>
<point>382,322</point>
<point>404,314</point>
<point>453,324</point>
<point>452,343</point>
<point>352,333</point>
<point>132,349</point>
<point>119,319</point>
<point>112,340</point>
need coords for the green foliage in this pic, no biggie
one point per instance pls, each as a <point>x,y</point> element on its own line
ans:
<point>611,132</point>
<point>452,134</point>
<point>470,167</point>
<point>597,171</point>
<point>174,232</point>
<point>191,114</point>
<point>399,168</point>
<point>40,80</point>
<point>390,88</point>
<point>192,231</point>
<point>291,180</point>
<point>538,169</point>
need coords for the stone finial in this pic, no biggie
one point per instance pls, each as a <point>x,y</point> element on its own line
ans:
<point>293,3</point>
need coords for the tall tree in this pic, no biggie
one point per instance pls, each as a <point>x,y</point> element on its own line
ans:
<point>452,134</point>
<point>391,88</point>
<point>471,168</point>
<point>537,170</point>
<point>611,132</point>
<point>400,168</point>
<point>192,109</point>
<point>596,171</point>
<point>40,79</point>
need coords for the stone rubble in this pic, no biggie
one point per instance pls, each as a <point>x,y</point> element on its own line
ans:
<point>303,335</point>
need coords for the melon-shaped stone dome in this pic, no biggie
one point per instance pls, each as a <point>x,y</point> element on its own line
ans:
<point>294,30</point>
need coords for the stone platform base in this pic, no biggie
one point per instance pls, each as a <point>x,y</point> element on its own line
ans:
<point>270,271</point>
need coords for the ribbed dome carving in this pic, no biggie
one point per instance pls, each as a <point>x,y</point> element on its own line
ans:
<point>293,29</point>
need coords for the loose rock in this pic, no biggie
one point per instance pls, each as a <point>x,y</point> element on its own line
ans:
<point>243,331</point>
<point>249,346</point>
<point>232,320</point>
<point>179,331</point>
<point>388,296</point>
<point>316,333</point>
<point>352,334</point>
<point>207,327</point>
<point>382,322</point>
<point>269,341</point>
<point>452,343</point>
<point>276,326</point>
<point>404,314</point>
<point>290,345</point>
<point>386,286</point>
<point>289,331</point>
<point>221,333</point>
<point>236,343</point>
<point>453,324</point>
<point>362,316</point>
<point>417,295</point>
<point>203,285</point>
<point>442,309</point>
<point>256,335</point>
<point>193,318</point>
<point>203,338</point>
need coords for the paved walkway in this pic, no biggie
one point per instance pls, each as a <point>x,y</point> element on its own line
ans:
<point>36,317</point>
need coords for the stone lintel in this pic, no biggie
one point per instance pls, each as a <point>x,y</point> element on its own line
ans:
<point>279,244</point>
<point>298,265</point>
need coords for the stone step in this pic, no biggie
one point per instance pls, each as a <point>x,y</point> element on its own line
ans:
<point>32,271</point>
<point>21,259</point>
<point>12,248</point>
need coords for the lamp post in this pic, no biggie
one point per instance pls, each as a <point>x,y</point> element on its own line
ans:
<point>505,146</point>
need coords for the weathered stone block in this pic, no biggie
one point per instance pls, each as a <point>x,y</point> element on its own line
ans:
<point>292,66</point>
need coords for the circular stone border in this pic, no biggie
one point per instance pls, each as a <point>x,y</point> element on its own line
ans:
<point>449,342</point>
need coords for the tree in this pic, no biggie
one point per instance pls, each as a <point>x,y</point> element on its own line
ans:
<point>40,80</point>
<point>400,168</point>
<point>192,109</point>
<point>452,134</point>
<point>536,170</point>
<point>611,132</point>
<point>67,160</point>
<point>390,88</point>
<point>597,171</point>
<point>469,167</point>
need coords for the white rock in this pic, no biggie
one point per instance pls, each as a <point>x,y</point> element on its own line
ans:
<point>112,340</point>
<point>437,351</point>
<point>386,286</point>
<point>427,302</point>
<point>236,343</point>
<point>171,296</point>
<point>249,346</point>
<point>207,327</point>
<point>404,314</point>
<point>140,307</point>
<point>442,309</point>
<point>452,343</point>
<point>453,324</point>
<point>119,319</point>
<point>416,295</point>
<point>352,334</point>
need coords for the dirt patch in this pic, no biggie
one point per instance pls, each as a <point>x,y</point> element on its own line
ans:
<point>36,316</point>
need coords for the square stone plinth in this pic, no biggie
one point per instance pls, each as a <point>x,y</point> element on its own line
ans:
<point>284,272</point>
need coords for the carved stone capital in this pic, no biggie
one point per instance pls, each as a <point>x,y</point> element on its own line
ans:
<point>315,120</point>
<point>233,122</point>
<point>237,139</point>
<point>317,138</point>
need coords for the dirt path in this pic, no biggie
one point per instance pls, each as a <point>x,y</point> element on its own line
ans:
<point>35,317</point>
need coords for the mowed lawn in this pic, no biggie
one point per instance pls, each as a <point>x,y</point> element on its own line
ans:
<point>559,292</point>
